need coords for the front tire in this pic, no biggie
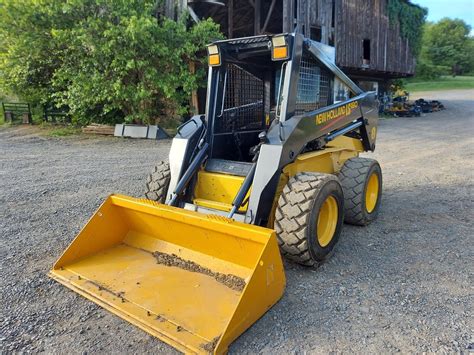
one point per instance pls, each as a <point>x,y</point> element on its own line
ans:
<point>157,182</point>
<point>309,217</point>
<point>361,180</point>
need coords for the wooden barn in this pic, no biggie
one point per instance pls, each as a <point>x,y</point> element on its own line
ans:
<point>369,48</point>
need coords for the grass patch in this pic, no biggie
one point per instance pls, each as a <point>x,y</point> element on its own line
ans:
<point>443,83</point>
<point>64,131</point>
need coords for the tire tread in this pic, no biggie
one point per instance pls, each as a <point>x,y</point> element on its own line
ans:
<point>353,176</point>
<point>292,212</point>
<point>157,182</point>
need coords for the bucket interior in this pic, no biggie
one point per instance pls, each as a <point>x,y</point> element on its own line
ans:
<point>175,273</point>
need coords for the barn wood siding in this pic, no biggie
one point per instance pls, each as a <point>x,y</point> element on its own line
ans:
<point>354,21</point>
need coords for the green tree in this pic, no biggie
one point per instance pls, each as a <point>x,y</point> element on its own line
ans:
<point>447,43</point>
<point>105,59</point>
<point>27,58</point>
<point>469,68</point>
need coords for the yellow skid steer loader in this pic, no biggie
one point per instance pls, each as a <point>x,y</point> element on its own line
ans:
<point>271,168</point>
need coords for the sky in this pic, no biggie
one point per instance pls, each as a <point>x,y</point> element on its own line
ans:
<point>437,9</point>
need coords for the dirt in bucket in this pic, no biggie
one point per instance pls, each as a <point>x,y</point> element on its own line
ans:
<point>234,282</point>
<point>211,345</point>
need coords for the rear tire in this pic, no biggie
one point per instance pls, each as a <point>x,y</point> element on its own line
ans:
<point>157,182</point>
<point>361,180</point>
<point>309,217</point>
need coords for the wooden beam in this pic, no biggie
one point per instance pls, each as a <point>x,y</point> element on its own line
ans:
<point>230,18</point>
<point>257,13</point>
<point>194,96</point>
<point>286,16</point>
<point>182,6</point>
<point>193,14</point>
<point>170,9</point>
<point>307,18</point>
<point>269,15</point>
<point>299,11</point>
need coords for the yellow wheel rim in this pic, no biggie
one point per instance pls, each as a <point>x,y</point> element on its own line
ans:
<point>327,221</point>
<point>372,193</point>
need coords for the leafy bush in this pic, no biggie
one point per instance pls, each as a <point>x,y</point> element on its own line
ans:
<point>426,70</point>
<point>63,132</point>
<point>411,19</point>
<point>107,60</point>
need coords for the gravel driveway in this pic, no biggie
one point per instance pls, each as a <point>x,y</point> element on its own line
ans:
<point>405,283</point>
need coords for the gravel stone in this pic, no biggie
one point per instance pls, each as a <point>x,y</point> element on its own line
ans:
<point>402,284</point>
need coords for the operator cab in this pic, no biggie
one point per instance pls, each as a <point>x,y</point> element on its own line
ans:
<point>245,95</point>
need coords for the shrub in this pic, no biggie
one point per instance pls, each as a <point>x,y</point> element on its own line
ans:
<point>107,60</point>
<point>426,70</point>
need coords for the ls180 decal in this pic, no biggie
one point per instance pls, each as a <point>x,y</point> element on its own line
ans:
<point>342,111</point>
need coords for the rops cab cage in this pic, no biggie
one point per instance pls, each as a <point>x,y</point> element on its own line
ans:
<point>286,89</point>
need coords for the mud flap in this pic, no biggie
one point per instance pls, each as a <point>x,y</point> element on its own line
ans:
<point>195,281</point>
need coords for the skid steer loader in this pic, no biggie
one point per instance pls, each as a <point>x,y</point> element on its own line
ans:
<point>272,167</point>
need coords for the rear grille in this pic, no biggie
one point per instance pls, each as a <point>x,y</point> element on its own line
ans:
<point>247,40</point>
<point>314,85</point>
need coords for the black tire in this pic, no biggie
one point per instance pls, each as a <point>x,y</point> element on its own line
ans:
<point>297,215</point>
<point>354,177</point>
<point>157,182</point>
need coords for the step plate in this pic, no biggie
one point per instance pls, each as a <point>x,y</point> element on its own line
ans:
<point>228,167</point>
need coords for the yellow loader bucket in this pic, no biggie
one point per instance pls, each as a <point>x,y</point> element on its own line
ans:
<point>195,281</point>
